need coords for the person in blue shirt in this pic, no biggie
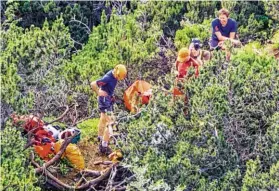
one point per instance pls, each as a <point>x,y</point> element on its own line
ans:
<point>223,28</point>
<point>104,88</point>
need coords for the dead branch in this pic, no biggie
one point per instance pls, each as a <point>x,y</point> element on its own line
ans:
<point>76,114</point>
<point>103,162</point>
<point>53,180</point>
<point>120,188</point>
<point>88,31</point>
<point>111,178</point>
<point>59,118</point>
<point>29,136</point>
<point>55,184</point>
<point>28,144</point>
<point>61,185</point>
<point>126,180</point>
<point>95,181</point>
<point>57,156</point>
<point>82,179</point>
<point>88,172</point>
<point>89,117</point>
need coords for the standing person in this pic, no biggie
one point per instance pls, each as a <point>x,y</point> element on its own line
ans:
<point>223,28</point>
<point>197,53</point>
<point>104,88</point>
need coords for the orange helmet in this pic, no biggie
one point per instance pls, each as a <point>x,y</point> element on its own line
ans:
<point>120,72</point>
<point>183,54</point>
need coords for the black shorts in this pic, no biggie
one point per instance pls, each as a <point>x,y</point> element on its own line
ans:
<point>214,44</point>
<point>105,104</point>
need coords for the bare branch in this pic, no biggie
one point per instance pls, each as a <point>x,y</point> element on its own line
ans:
<point>111,178</point>
<point>86,26</point>
<point>88,172</point>
<point>57,156</point>
<point>89,117</point>
<point>96,181</point>
<point>59,118</point>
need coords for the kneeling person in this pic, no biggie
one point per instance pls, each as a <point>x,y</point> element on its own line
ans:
<point>223,28</point>
<point>197,53</point>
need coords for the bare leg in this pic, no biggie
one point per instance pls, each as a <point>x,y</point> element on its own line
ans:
<point>199,61</point>
<point>106,130</point>
<point>105,142</point>
<point>102,124</point>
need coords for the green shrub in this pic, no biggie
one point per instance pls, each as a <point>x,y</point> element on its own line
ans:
<point>275,40</point>
<point>184,36</point>
<point>231,108</point>
<point>89,128</point>
<point>16,170</point>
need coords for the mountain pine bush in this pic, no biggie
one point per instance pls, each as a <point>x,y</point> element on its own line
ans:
<point>16,171</point>
<point>231,112</point>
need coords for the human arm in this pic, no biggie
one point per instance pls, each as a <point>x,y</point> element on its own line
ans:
<point>233,33</point>
<point>196,66</point>
<point>216,31</point>
<point>233,29</point>
<point>97,90</point>
<point>205,56</point>
<point>175,68</point>
<point>95,86</point>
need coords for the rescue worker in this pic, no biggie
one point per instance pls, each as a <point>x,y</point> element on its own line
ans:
<point>104,88</point>
<point>223,28</point>
<point>183,64</point>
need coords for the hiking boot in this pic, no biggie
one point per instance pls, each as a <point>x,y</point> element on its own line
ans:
<point>104,150</point>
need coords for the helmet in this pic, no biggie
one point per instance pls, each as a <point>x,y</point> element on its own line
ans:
<point>120,72</point>
<point>196,43</point>
<point>116,156</point>
<point>183,54</point>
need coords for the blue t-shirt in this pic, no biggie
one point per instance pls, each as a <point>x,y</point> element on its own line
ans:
<point>107,83</point>
<point>226,30</point>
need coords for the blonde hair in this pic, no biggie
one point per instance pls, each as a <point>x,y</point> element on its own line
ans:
<point>224,11</point>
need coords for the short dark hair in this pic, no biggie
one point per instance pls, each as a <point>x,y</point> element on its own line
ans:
<point>224,11</point>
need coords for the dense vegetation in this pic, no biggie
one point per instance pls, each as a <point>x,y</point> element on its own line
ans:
<point>229,140</point>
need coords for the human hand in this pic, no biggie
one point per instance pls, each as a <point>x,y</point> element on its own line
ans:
<point>236,42</point>
<point>176,72</point>
<point>102,93</point>
<point>220,43</point>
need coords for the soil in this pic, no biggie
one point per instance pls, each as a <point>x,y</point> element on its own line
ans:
<point>91,154</point>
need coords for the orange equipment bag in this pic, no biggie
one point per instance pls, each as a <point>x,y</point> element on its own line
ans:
<point>138,88</point>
